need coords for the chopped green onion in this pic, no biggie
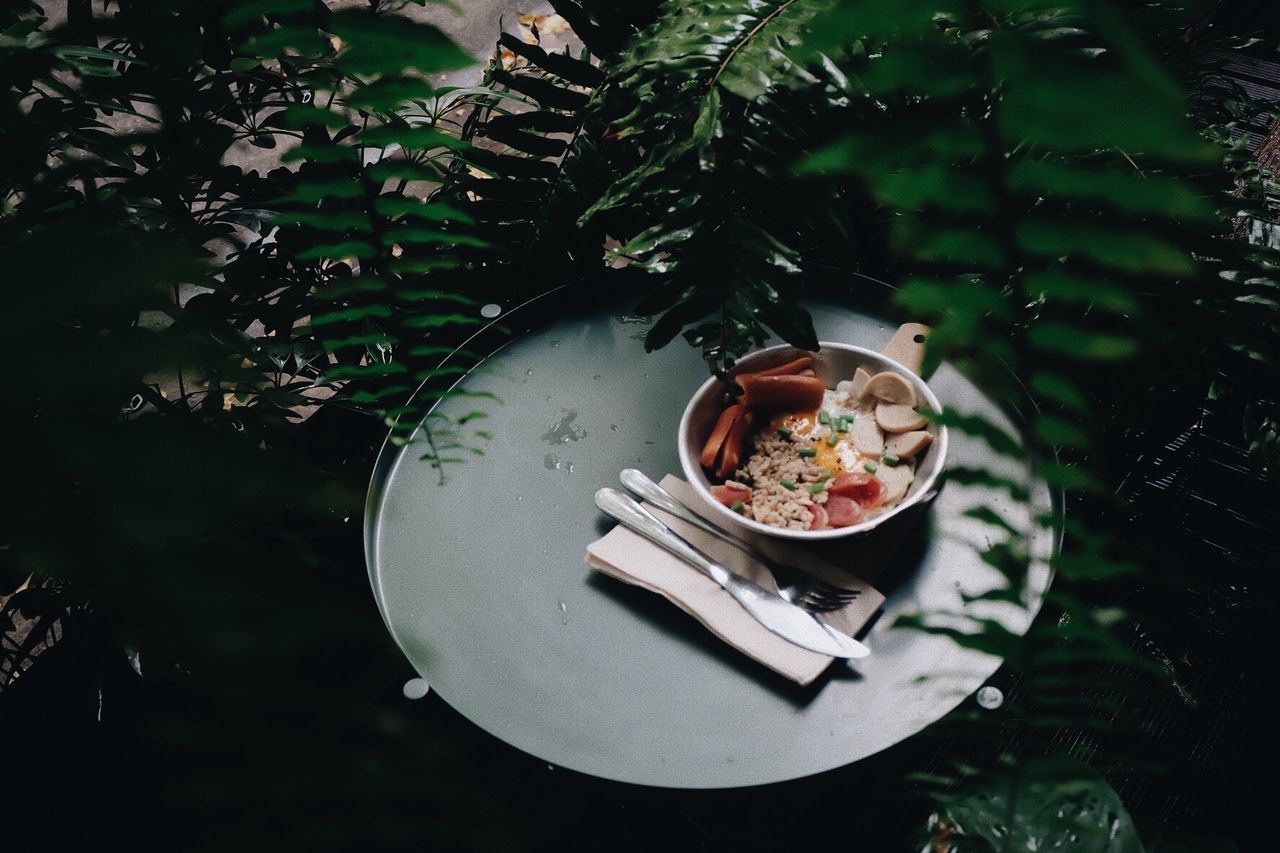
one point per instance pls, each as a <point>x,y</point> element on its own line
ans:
<point>817,487</point>
<point>869,467</point>
<point>824,418</point>
<point>832,439</point>
<point>807,452</point>
<point>737,506</point>
<point>827,474</point>
<point>783,432</point>
<point>890,459</point>
<point>787,484</point>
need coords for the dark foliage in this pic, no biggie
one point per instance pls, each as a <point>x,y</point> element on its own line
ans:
<point>204,356</point>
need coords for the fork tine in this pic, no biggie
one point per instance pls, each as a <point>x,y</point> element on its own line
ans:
<point>825,597</point>
<point>829,601</point>
<point>804,590</point>
<point>820,588</point>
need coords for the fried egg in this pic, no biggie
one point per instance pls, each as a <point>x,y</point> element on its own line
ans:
<point>841,457</point>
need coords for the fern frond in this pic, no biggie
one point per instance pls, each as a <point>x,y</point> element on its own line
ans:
<point>352,221</point>
<point>708,205</point>
<point>677,79</point>
<point>527,176</point>
<point>605,25</point>
<point>1037,164</point>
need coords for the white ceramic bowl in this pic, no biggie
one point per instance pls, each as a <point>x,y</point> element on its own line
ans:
<point>833,362</point>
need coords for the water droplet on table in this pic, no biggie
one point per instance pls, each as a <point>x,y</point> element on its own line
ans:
<point>491,310</point>
<point>416,688</point>
<point>529,372</point>
<point>613,427</point>
<point>597,376</point>
<point>551,462</point>
<point>565,430</point>
<point>990,697</point>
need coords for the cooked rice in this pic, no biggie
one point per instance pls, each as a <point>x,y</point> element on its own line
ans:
<point>772,460</point>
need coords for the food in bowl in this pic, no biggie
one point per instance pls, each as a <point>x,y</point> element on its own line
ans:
<point>793,454</point>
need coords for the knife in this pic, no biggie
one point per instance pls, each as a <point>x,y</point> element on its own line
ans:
<point>769,609</point>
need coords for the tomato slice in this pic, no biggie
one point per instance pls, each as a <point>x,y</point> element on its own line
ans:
<point>730,493</point>
<point>843,511</point>
<point>859,486</point>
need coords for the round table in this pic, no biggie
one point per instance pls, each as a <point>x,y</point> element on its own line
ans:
<point>481,579</point>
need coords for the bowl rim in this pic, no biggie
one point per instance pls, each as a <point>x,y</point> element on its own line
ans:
<point>693,471</point>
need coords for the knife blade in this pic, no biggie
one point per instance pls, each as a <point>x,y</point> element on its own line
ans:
<point>769,609</point>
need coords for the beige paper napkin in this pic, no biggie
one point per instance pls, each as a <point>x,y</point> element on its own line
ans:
<point>630,557</point>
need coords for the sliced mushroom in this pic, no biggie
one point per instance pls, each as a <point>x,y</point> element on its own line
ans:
<point>866,435</point>
<point>888,387</point>
<point>908,444</point>
<point>895,417</point>
<point>897,480</point>
<point>859,383</point>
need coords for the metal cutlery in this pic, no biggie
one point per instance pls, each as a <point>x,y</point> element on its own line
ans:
<point>800,588</point>
<point>769,609</point>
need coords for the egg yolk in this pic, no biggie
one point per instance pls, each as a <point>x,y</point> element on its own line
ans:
<point>802,423</point>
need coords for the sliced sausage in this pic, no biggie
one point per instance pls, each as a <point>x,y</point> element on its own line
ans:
<point>895,417</point>
<point>730,493</point>
<point>818,517</point>
<point>842,511</point>
<point>908,444</point>
<point>731,454</point>
<point>858,486</point>
<point>866,435</point>
<point>896,481</point>
<point>790,368</point>
<point>859,383</point>
<point>711,450</point>
<point>889,387</point>
<point>789,393</point>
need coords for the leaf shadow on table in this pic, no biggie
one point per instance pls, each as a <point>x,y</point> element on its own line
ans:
<point>908,553</point>
<point>675,623</point>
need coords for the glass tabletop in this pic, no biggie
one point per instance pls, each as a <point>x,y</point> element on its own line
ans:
<point>481,578</point>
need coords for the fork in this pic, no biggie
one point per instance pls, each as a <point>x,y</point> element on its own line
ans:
<point>800,588</point>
